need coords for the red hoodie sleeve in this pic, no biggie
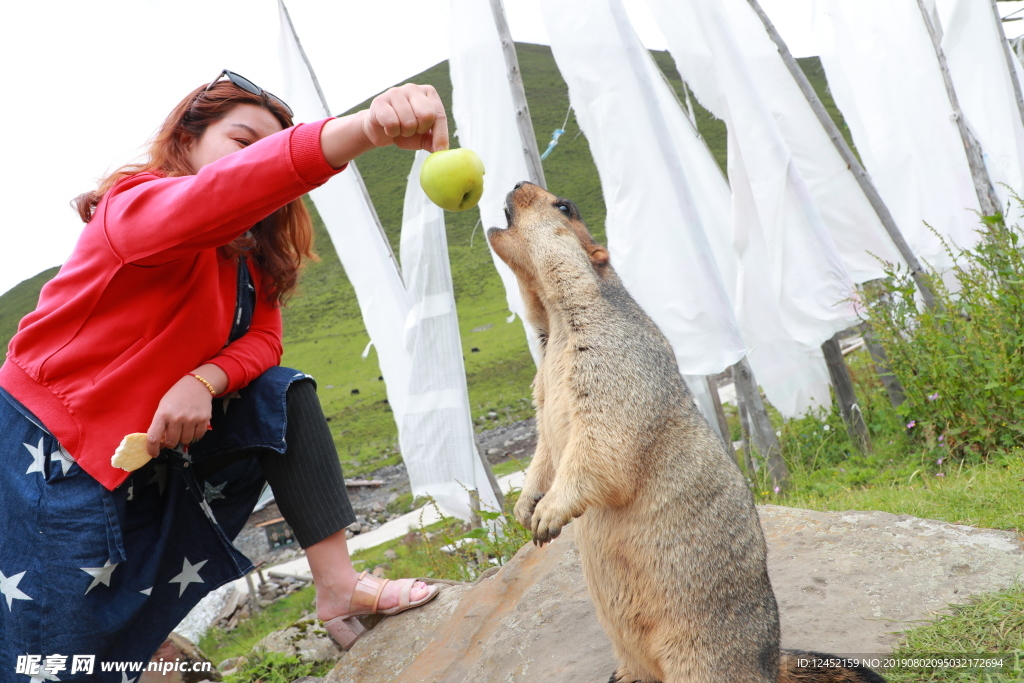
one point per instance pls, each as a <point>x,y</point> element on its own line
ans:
<point>147,215</point>
<point>258,350</point>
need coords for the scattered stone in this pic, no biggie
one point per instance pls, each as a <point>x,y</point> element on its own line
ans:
<point>306,639</point>
<point>377,507</point>
<point>191,661</point>
<point>378,571</point>
<point>392,498</point>
<point>390,554</point>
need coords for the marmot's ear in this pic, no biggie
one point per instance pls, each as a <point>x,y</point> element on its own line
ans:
<point>598,256</point>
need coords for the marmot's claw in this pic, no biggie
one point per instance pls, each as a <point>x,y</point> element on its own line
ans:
<point>548,522</point>
<point>524,509</point>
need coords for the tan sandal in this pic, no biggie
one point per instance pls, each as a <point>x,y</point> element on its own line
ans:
<point>347,628</point>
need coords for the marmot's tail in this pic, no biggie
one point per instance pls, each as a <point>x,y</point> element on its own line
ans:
<point>796,666</point>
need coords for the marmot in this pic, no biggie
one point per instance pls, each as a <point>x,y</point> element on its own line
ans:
<point>669,538</point>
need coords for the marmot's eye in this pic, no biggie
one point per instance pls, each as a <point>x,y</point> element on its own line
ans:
<point>564,208</point>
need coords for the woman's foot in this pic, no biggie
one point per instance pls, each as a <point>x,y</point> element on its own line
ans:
<point>331,603</point>
<point>370,595</point>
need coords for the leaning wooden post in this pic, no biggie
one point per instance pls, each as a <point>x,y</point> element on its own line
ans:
<point>892,385</point>
<point>1009,60</point>
<point>982,183</point>
<point>515,81</point>
<point>723,424</point>
<point>846,153</point>
<point>846,397</point>
<point>748,460</point>
<point>761,431</point>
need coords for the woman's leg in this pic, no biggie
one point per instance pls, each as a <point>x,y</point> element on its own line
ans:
<point>310,492</point>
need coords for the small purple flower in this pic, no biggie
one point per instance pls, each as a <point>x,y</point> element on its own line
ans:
<point>942,438</point>
<point>939,461</point>
<point>777,489</point>
<point>910,425</point>
<point>941,474</point>
<point>934,397</point>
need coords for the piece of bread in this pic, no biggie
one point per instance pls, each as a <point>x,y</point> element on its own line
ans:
<point>131,454</point>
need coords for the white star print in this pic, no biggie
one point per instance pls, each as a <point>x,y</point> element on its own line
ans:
<point>99,575</point>
<point>9,588</point>
<point>148,591</point>
<point>131,490</point>
<point>189,574</point>
<point>64,458</point>
<point>42,676</point>
<point>38,458</point>
<point>125,679</point>
<point>159,476</point>
<point>214,492</point>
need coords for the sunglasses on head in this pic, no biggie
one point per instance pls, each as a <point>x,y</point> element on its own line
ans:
<point>250,87</point>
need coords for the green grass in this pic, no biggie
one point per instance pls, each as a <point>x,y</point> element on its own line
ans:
<point>991,624</point>
<point>19,301</point>
<point>219,645</point>
<point>274,667</point>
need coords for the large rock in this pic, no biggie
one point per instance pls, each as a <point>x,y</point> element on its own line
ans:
<point>844,581</point>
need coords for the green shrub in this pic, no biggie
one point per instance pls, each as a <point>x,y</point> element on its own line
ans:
<point>961,361</point>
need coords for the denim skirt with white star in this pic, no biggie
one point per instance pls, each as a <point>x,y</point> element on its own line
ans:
<point>87,571</point>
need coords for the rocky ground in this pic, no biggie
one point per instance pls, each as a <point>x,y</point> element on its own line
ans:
<point>516,440</point>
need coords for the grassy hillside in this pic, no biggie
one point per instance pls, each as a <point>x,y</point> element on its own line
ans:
<point>324,333</point>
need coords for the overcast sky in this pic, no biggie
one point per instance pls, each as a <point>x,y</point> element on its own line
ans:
<point>85,84</point>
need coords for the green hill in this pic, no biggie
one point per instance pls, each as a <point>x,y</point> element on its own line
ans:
<point>324,333</point>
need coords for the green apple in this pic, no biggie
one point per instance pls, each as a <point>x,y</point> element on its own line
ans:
<point>453,178</point>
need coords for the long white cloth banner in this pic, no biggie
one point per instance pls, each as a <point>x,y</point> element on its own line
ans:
<point>654,217</point>
<point>410,320</point>
<point>350,222</point>
<point>901,119</point>
<point>972,43</point>
<point>485,119</point>
<point>739,75</point>
<point>436,432</point>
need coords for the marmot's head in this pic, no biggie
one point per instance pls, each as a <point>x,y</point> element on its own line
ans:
<point>544,232</point>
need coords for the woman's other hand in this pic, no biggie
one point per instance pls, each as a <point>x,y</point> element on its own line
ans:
<point>184,412</point>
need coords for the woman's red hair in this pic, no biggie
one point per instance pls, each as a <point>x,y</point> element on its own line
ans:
<point>279,243</point>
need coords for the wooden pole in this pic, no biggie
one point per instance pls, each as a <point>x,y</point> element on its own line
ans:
<point>352,164</point>
<point>1009,60</point>
<point>761,431</point>
<point>748,461</point>
<point>723,424</point>
<point>982,183</point>
<point>846,395</point>
<point>515,81</point>
<point>847,155</point>
<point>892,385</point>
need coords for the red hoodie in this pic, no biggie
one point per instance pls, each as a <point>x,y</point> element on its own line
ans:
<point>146,297</point>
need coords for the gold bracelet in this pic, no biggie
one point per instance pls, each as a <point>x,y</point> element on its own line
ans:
<point>213,392</point>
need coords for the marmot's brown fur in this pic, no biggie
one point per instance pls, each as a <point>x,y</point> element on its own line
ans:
<point>670,542</point>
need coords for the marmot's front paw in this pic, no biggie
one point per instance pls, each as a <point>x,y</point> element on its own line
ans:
<point>548,519</point>
<point>524,508</point>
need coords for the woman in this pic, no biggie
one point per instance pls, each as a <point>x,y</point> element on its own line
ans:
<point>171,301</point>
